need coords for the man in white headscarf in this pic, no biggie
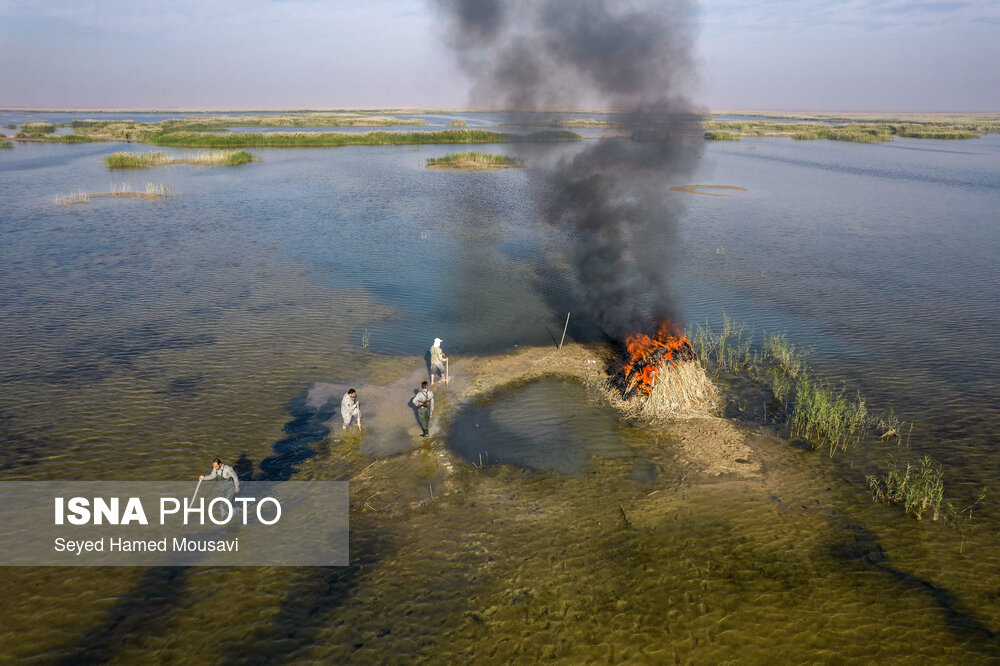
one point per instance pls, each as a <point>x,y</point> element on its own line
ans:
<point>437,361</point>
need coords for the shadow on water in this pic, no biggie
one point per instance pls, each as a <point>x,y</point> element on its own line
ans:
<point>308,426</point>
<point>863,549</point>
<point>162,592</point>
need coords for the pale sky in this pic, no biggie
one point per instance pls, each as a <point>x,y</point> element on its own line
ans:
<point>835,55</point>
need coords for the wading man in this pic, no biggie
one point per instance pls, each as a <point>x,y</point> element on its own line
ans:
<point>438,359</point>
<point>424,402</point>
<point>225,474</point>
<point>349,408</point>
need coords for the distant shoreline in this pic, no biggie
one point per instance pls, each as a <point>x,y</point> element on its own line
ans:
<point>762,113</point>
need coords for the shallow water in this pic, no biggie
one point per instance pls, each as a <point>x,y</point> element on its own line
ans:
<point>547,425</point>
<point>142,338</point>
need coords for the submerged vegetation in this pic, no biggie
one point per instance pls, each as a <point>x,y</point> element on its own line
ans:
<point>917,489</point>
<point>823,415</point>
<point>473,162</point>
<point>153,191</point>
<point>125,160</point>
<point>820,414</point>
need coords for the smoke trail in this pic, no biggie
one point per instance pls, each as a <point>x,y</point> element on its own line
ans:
<point>629,56</point>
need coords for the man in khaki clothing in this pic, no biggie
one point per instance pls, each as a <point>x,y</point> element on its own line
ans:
<point>438,359</point>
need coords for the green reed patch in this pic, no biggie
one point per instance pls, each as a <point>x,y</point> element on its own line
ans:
<point>822,415</point>
<point>38,128</point>
<point>852,133</point>
<point>917,489</point>
<point>456,123</point>
<point>585,123</point>
<point>125,160</point>
<point>377,138</point>
<point>722,136</point>
<point>919,132</point>
<point>826,415</point>
<point>6,144</point>
<point>473,161</point>
<point>862,130</point>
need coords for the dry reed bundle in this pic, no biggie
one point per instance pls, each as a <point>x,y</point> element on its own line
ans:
<point>682,390</point>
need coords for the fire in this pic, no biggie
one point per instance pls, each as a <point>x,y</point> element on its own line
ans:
<point>647,355</point>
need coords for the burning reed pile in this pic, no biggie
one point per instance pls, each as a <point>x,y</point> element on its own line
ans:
<point>660,377</point>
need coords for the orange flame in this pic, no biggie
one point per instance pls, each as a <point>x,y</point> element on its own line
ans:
<point>646,355</point>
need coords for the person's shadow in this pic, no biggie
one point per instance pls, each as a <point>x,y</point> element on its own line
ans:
<point>243,467</point>
<point>412,404</point>
<point>427,363</point>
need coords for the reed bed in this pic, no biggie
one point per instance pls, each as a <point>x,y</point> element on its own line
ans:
<point>152,191</point>
<point>722,136</point>
<point>455,123</point>
<point>6,144</point>
<point>124,160</point>
<point>585,123</point>
<point>917,488</point>
<point>305,119</point>
<point>377,138</point>
<point>823,415</point>
<point>846,133</point>
<point>38,128</point>
<point>859,131</point>
<point>473,162</point>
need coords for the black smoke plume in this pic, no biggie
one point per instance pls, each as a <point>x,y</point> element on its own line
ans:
<point>632,57</point>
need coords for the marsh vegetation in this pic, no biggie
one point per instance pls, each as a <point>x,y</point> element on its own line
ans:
<point>125,160</point>
<point>860,130</point>
<point>379,138</point>
<point>722,136</point>
<point>473,161</point>
<point>824,415</point>
<point>152,191</point>
<point>917,488</point>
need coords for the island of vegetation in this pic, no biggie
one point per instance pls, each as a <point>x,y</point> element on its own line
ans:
<point>125,160</point>
<point>473,162</point>
<point>856,128</point>
<point>455,123</point>
<point>213,132</point>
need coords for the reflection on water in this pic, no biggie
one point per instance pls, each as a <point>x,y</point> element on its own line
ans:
<point>142,339</point>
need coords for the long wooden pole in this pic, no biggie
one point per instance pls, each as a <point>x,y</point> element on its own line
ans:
<point>447,375</point>
<point>564,331</point>
<point>196,490</point>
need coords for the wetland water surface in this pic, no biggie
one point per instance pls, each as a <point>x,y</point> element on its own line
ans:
<point>140,339</point>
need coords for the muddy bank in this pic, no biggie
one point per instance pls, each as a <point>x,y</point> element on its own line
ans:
<point>702,444</point>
